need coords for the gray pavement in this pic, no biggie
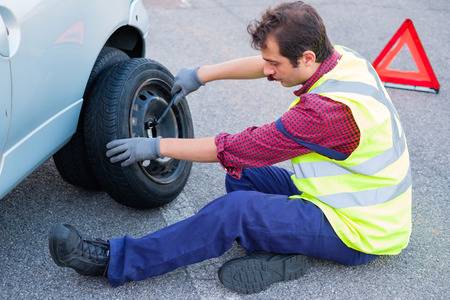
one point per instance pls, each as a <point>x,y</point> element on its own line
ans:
<point>194,32</point>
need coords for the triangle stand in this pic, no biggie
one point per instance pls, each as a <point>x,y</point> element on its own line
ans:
<point>423,80</point>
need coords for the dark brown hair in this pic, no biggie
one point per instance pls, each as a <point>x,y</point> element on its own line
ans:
<point>296,26</point>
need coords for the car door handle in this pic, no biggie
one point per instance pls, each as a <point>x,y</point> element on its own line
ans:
<point>4,39</point>
<point>9,32</point>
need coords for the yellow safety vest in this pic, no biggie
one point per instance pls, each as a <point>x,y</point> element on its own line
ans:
<point>367,196</point>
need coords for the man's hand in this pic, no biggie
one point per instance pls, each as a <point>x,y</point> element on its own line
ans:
<point>186,82</point>
<point>130,151</point>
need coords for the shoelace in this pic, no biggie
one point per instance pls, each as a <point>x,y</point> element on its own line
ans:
<point>94,249</point>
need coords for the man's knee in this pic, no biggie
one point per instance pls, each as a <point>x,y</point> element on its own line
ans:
<point>234,184</point>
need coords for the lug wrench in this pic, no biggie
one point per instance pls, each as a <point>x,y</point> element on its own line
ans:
<point>154,122</point>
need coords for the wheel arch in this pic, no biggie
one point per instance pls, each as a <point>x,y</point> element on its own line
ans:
<point>126,38</point>
<point>129,39</point>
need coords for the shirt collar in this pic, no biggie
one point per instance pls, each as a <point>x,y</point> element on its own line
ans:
<point>326,66</point>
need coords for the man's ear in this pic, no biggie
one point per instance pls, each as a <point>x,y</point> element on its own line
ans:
<point>307,59</point>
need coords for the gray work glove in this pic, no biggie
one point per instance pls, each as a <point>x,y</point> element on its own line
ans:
<point>186,82</point>
<point>129,151</point>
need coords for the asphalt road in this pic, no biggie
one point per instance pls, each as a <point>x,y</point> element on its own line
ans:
<point>194,32</point>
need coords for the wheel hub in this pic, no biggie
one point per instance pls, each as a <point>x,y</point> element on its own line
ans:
<point>147,107</point>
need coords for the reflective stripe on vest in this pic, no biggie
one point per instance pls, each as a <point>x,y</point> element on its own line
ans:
<point>367,197</point>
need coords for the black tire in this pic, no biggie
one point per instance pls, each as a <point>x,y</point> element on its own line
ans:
<point>71,160</point>
<point>126,97</point>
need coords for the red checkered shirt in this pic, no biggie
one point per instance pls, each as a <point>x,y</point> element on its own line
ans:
<point>315,119</point>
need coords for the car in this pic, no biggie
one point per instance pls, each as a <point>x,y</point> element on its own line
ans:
<point>74,76</point>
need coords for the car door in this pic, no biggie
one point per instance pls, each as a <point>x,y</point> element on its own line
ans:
<point>5,87</point>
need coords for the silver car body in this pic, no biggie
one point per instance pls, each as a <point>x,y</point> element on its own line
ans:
<point>47,51</point>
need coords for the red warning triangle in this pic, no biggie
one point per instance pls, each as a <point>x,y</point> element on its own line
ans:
<point>424,77</point>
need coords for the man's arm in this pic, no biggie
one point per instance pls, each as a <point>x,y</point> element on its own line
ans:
<point>204,149</point>
<point>255,146</point>
<point>132,150</point>
<point>242,68</point>
<point>190,80</point>
<point>200,149</point>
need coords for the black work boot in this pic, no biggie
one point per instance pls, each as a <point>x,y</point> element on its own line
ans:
<point>69,249</point>
<point>256,272</point>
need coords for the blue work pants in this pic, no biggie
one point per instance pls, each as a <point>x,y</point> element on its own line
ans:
<point>255,212</point>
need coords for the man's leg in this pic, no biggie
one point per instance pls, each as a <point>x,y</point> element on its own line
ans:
<point>282,228</point>
<point>258,221</point>
<point>269,180</point>
<point>315,237</point>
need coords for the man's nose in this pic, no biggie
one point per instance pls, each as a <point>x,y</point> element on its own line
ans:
<point>268,70</point>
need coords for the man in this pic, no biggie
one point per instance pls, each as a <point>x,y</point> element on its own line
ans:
<point>348,200</point>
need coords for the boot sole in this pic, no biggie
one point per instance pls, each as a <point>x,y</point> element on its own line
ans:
<point>253,275</point>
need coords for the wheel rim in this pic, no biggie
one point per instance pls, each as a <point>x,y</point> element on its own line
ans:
<point>149,101</point>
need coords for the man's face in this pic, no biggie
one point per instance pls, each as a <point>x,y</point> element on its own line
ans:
<point>280,68</point>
